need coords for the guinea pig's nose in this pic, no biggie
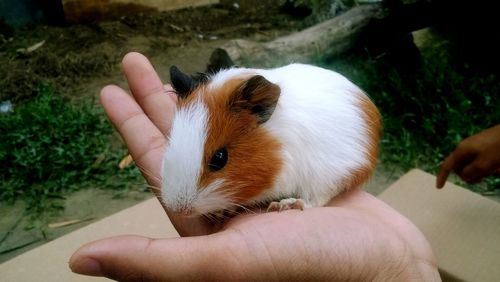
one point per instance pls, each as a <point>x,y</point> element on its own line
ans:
<point>186,210</point>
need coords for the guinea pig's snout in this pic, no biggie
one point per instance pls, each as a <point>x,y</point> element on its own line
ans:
<point>186,210</point>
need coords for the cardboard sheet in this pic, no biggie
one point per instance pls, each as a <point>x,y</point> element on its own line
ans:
<point>462,227</point>
<point>49,262</point>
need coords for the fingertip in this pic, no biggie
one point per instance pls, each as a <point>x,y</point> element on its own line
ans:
<point>107,90</point>
<point>141,75</point>
<point>446,167</point>
<point>135,63</point>
<point>441,177</point>
<point>86,266</point>
<point>132,57</point>
<point>82,262</point>
<point>111,95</point>
<point>107,257</point>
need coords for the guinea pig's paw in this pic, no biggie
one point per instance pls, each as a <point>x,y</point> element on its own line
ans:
<point>287,204</point>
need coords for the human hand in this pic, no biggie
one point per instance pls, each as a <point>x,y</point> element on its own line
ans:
<point>474,158</point>
<point>356,237</point>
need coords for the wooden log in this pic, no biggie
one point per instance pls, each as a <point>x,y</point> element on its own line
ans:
<point>328,38</point>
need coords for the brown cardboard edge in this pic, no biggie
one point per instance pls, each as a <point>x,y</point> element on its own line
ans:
<point>49,262</point>
<point>462,227</point>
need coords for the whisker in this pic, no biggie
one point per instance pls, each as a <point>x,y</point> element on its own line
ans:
<point>152,187</point>
<point>233,211</point>
<point>211,218</point>
<point>245,209</point>
<point>149,173</point>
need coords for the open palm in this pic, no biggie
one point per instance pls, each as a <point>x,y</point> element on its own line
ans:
<point>354,237</point>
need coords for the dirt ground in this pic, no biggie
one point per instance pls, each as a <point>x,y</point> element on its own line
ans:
<point>74,56</point>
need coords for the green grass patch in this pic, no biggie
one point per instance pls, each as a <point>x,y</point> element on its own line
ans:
<point>50,146</point>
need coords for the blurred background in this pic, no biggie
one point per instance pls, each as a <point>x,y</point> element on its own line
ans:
<point>431,66</point>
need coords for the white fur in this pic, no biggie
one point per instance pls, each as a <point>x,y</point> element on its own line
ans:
<point>182,162</point>
<point>211,198</point>
<point>182,165</point>
<point>321,127</point>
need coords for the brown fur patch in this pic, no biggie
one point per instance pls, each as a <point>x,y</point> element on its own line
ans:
<point>372,120</point>
<point>253,154</point>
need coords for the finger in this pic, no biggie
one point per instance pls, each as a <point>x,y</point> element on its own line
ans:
<point>134,258</point>
<point>454,161</point>
<point>475,172</point>
<point>475,180</point>
<point>157,101</point>
<point>146,144</point>
<point>144,140</point>
<point>447,167</point>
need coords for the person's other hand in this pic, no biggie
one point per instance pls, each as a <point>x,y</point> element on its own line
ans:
<point>355,237</point>
<point>474,158</point>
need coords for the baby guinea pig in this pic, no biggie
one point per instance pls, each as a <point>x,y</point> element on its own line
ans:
<point>290,137</point>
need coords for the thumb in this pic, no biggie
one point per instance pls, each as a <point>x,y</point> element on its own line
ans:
<point>134,258</point>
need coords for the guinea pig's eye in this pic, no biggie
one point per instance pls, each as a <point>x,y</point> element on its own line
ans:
<point>218,160</point>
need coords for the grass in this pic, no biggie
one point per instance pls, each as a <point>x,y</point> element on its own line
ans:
<point>429,110</point>
<point>50,146</point>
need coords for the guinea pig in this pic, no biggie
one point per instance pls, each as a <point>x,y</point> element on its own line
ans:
<point>289,137</point>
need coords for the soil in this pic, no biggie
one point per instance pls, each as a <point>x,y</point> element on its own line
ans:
<point>75,55</point>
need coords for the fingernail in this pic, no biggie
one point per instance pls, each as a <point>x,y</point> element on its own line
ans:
<point>86,266</point>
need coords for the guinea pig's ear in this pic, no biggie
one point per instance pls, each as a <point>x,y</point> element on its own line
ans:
<point>219,60</point>
<point>258,95</point>
<point>181,82</point>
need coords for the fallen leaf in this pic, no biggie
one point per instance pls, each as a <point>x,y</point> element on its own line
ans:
<point>125,162</point>
<point>31,48</point>
<point>68,222</point>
